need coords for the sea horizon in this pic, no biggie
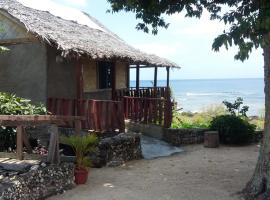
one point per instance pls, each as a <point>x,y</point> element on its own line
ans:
<point>185,79</point>
<point>195,95</point>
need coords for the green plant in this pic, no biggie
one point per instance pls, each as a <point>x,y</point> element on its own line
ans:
<point>235,107</point>
<point>233,129</point>
<point>196,120</point>
<point>82,146</point>
<point>10,104</point>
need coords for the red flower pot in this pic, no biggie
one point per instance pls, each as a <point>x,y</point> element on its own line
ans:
<point>81,176</point>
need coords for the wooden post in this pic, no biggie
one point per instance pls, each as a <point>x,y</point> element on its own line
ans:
<point>168,77</point>
<point>155,81</point>
<point>137,79</point>
<point>19,146</point>
<point>113,80</point>
<point>53,151</point>
<point>155,77</point>
<point>79,80</point>
<point>128,76</point>
<point>26,142</point>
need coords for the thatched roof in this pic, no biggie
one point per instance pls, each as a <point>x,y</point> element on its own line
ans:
<point>76,40</point>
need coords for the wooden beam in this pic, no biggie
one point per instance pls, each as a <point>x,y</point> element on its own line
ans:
<point>32,120</point>
<point>137,79</point>
<point>155,77</point>
<point>128,76</point>
<point>113,80</point>
<point>7,42</point>
<point>19,143</point>
<point>146,66</point>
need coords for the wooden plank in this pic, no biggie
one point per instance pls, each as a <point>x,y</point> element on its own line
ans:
<point>19,146</point>
<point>155,117</point>
<point>110,116</point>
<point>102,116</point>
<point>78,127</point>
<point>32,120</point>
<point>160,113</point>
<point>53,151</point>
<point>121,118</point>
<point>145,110</point>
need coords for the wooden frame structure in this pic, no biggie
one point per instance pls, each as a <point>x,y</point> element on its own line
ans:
<point>21,121</point>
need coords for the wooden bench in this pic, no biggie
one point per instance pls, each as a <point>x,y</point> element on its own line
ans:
<point>21,121</point>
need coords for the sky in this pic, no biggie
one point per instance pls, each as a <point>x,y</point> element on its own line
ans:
<point>187,42</point>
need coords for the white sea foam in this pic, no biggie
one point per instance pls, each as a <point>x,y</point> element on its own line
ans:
<point>205,94</point>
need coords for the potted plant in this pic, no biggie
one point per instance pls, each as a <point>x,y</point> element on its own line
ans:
<point>82,146</point>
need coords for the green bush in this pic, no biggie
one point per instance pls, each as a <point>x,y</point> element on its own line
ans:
<point>233,129</point>
<point>196,120</point>
<point>10,104</point>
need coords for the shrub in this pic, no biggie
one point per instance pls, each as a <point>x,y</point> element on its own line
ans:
<point>197,120</point>
<point>233,129</point>
<point>10,104</point>
<point>235,108</point>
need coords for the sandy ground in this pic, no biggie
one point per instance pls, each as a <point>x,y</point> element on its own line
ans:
<point>198,174</point>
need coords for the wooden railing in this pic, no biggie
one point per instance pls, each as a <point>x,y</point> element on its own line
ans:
<point>100,115</point>
<point>148,92</point>
<point>149,110</point>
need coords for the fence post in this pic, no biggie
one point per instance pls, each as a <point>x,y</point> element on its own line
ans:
<point>53,151</point>
<point>19,146</point>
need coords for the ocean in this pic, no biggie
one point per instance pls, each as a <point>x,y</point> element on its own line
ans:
<point>197,94</point>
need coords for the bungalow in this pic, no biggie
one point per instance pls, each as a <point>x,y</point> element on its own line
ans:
<point>68,64</point>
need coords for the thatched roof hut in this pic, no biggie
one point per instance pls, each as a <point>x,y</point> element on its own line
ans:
<point>77,40</point>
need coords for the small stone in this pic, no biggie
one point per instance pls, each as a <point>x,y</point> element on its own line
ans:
<point>43,164</point>
<point>34,167</point>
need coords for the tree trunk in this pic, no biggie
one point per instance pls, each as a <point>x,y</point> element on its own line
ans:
<point>258,188</point>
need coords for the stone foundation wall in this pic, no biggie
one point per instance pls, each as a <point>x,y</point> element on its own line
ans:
<point>40,182</point>
<point>179,137</point>
<point>114,151</point>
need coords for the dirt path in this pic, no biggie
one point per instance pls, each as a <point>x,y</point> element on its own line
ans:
<point>197,174</point>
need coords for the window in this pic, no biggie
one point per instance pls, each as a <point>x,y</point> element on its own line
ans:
<point>105,74</point>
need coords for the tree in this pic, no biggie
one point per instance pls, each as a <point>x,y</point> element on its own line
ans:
<point>249,22</point>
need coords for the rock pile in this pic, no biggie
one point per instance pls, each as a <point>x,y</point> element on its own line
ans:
<point>35,181</point>
<point>114,151</point>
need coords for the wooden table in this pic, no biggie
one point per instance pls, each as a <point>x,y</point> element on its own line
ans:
<point>21,121</point>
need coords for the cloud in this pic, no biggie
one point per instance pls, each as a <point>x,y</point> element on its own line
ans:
<point>195,27</point>
<point>163,50</point>
<point>76,2</point>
